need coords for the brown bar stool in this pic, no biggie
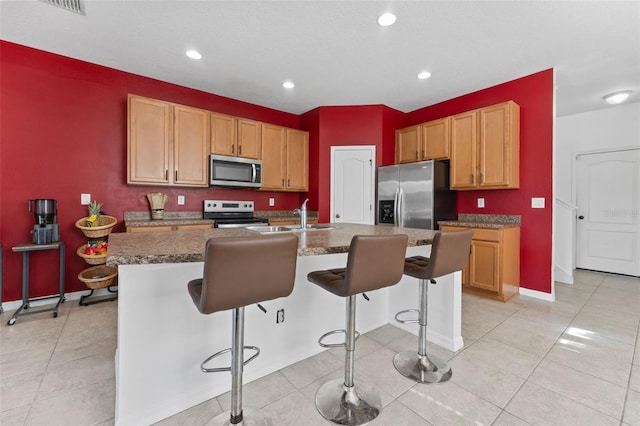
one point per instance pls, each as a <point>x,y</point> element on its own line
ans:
<point>240,271</point>
<point>373,262</point>
<point>449,253</point>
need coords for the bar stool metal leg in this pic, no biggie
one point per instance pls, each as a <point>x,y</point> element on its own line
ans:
<point>344,401</point>
<point>418,366</point>
<point>238,416</point>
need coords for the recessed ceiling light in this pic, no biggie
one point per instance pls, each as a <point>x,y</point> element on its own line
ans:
<point>288,85</point>
<point>617,97</point>
<point>193,54</point>
<point>424,75</point>
<point>386,19</point>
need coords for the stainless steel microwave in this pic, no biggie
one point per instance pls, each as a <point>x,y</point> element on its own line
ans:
<point>234,171</point>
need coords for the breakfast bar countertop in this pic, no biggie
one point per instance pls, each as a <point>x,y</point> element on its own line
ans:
<point>188,245</point>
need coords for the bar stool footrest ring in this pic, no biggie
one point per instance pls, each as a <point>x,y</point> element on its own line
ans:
<point>224,351</point>
<point>407,321</point>
<point>334,345</point>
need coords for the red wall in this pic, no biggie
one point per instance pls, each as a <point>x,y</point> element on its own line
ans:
<point>342,126</point>
<point>63,133</point>
<point>534,94</point>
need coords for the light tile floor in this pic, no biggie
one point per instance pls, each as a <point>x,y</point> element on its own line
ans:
<point>575,361</point>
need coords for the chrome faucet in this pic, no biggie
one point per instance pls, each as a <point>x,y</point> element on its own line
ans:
<point>302,212</point>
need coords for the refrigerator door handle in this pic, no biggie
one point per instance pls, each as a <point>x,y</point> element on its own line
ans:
<point>396,209</point>
<point>400,217</point>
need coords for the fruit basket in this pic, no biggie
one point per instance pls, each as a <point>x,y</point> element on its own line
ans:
<point>106,225</point>
<point>98,276</point>
<point>91,259</point>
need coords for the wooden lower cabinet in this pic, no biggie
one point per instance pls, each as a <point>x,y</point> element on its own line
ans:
<point>493,269</point>
<point>167,228</point>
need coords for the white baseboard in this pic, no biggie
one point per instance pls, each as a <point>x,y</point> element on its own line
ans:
<point>15,304</point>
<point>562,275</point>
<point>538,294</point>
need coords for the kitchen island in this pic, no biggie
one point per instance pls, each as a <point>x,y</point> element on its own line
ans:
<point>162,338</point>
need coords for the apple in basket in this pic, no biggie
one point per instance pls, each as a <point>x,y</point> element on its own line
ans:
<point>96,247</point>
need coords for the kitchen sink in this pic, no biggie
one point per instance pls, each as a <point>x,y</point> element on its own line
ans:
<point>311,227</point>
<point>293,228</point>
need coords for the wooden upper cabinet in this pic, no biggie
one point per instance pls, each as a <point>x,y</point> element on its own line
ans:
<point>285,159</point>
<point>485,148</point>
<point>499,146</point>
<point>408,144</point>
<point>426,141</point>
<point>223,134</point>
<point>248,137</point>
<point>148,141</point>
<point>297,160</point>
<point>190,146</point>
<point>464,144</point>
<point>236,137</point>
<point>167,144</point>
<point>435,139</point>
<point>273,157</point>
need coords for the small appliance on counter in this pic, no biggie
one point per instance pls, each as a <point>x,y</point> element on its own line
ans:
<point>231,214</point>
<point>46,230</point>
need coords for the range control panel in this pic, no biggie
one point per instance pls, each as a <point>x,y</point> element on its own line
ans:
<point>211,206</point>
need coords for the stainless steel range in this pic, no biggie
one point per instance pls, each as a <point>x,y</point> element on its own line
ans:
<point>231,214</point>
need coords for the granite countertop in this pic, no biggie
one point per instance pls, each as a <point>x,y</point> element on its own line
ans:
<point>188,246</point>
<point>490,221</point>
<point>143,219</point>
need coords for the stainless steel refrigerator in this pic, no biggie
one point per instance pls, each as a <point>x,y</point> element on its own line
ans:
<point>415,195</point>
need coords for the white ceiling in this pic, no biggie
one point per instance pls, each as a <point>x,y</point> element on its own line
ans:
<point>336,53</point>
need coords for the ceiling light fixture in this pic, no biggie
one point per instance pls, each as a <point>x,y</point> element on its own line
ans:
<point>288,85</point>
<point>193,54</point>
<point>617,97</point>
<point>386,19</point>
<point>424,75</point>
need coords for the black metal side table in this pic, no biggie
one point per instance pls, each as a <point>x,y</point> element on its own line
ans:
<point>25,249</point>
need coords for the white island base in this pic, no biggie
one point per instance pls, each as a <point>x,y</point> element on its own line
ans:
<point>162,338</point>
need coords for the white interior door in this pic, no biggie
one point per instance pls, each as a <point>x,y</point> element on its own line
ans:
<point>352,184</point>
<point>607,196</point>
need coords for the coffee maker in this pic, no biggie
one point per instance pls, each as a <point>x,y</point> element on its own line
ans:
<point>46,230</point>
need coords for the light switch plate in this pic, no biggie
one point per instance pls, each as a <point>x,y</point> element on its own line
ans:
<point>272,202</point>
<point>181,200</point>
<point>481,203</point>
<point>537,203</point>
<point>85,199</point>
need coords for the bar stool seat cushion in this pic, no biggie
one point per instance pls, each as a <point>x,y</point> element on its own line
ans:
<point>415,266</point>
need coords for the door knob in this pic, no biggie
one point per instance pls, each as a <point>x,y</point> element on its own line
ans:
<point>580,217</point>
<point>338,216</point>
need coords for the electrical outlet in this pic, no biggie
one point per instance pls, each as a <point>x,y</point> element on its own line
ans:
<point>537,203</point>
<point>85,199</point>
<point>272,202</point>
<point>481,203</point>
<point>181,200</point>
<point>280,316</point>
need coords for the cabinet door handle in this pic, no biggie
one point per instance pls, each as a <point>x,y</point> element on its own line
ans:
<point>288,182</point>
<point>239,149</point>
<point>166,175</point>
<point>416,155</point>
<point>423,155</point>
<point>480,177</point>
<point>472,179</point>
<point>176,175</point>
<point>283,182</point>
<point>233,149</point>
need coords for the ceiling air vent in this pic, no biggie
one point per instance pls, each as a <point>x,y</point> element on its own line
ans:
<point>71,5</point>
